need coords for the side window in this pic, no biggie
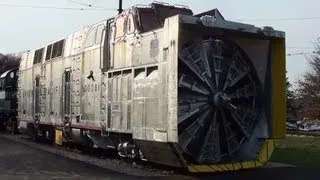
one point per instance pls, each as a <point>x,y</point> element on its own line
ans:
<point>90,38</point>
<point>99,34</point>
<point>130,25</point>
<point>120,26</point>
<point>38,54</point>
<point>57,49</point>
<point>49,50</point>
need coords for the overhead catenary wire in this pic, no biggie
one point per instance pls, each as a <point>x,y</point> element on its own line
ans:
<point>303,53</point>
<point>56,8</point>
<point>280,19</point>
<point>298,47</point>
<point>108,9</point>
<point>90,8</point>
<point>82,3</point>
<point>297,54</point>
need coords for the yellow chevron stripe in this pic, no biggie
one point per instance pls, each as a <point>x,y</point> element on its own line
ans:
<point>263,158</point>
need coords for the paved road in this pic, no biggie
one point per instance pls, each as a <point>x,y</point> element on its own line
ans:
<point>18,161</point>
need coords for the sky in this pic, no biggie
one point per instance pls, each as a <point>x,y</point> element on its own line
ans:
<point>27,28</point>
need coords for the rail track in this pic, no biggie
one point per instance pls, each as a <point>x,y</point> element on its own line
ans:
<point>99,158</point>
<point>305,133</point>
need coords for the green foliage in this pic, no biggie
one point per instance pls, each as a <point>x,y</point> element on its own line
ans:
<point>292,102</point>
<point>301,157</point>
<point>299,151</point>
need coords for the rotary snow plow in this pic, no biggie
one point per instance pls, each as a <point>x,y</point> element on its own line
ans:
<point>226,93</point>
<point>158,83</point>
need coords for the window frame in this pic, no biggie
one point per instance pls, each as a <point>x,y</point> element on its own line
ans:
<point>47,59</point>
<point>94,28</point>
<point>52,46</point>
<point>38,57</point>
<point>62,41</point>
<point>123,26</point>
<point>102,35</point>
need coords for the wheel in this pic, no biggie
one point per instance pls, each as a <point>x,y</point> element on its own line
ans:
<point>218,104</point>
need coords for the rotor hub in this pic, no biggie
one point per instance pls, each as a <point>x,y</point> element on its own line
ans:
<point>220,99</point>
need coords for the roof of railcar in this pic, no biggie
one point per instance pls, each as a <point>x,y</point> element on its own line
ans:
<point>3,75</point>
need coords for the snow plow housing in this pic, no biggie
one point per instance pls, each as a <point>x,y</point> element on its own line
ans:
<point>225,94</point>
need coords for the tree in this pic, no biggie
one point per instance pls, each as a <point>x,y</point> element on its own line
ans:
<point>309,86</point>
<point>290,98</point>
<point>293,103</point>
<point>8,61</point>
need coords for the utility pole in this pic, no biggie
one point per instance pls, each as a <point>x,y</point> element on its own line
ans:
<point>120,7</point>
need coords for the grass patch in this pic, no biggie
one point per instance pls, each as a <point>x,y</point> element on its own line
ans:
<point>299,151</point>
<point>297,156</point>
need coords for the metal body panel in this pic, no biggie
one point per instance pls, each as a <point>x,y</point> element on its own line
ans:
<point>147,87</point>
<point>91,97</point>
<point>68,45</point>
<point>219,23</point>
<point>172,26</point>
<point>119,100</point>
<point>51,81</point>
<point>27,97</point>
<point>278,88</point>
<point>56,91</point>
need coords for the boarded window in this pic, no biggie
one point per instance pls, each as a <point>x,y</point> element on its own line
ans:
<point>49,50</point>
<point>57,49</point>
<point>120,27</point>
<point>90,38</point>
<point>99,34</point>
<point>38,56</point>
<point>148,19</point>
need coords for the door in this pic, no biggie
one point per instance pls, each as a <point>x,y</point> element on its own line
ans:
<point>105,66</point>
<point>105,61</point>
<point>67,93</point>
<point>36,92</point>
